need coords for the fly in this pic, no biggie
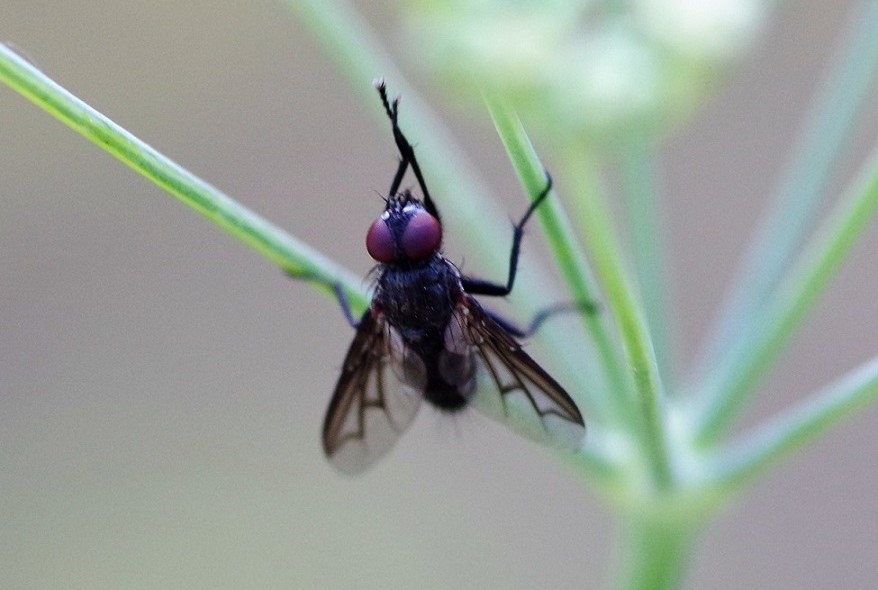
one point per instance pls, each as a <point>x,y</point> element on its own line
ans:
<point>425,337</point>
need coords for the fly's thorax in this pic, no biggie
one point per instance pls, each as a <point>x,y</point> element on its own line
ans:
<point>418,299</point>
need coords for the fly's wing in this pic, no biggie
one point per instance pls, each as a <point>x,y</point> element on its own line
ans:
<point>512,387</point>
<point>378,393</point>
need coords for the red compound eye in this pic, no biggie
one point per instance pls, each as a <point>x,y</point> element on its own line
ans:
<point>380,243</point>
<point>422,236</point>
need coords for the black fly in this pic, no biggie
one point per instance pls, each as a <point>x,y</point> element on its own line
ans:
<point>425,337</point>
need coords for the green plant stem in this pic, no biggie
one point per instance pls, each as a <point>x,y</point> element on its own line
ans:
<point>732,381</point>
<point>567,252</point>
<point>655,553</point>
<point>639,187</point>
<point>592,211</point>
<point>831,118</point>
<point>737,464</point>
<point>255,231</point>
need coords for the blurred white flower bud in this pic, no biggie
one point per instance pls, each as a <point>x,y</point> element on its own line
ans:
<point>579,69</point>
<point>703,30</point>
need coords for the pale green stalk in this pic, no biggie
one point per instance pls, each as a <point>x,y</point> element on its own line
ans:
<point>843,94</point>
<point>568,254</point>
<point>730,383</point>
<point>740,462</point>
<point>654,553</point>
<point>593,214</point>
<point>640,190</point>
<point>258,233</point>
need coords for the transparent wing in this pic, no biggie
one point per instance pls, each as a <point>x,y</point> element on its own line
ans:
<point>512,387</point>
<point>378,393</point>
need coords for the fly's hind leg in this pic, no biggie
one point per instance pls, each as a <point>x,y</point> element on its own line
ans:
<point>541,317</point>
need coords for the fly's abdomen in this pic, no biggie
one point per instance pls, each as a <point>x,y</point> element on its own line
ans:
<point>451,380</point>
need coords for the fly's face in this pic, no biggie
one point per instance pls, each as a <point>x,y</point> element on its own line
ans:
<point>405,232</point>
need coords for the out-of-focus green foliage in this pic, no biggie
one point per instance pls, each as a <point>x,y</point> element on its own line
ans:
<point>583,70</point>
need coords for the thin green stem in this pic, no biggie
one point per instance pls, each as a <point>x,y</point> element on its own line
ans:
<point>255,231</point>
<point>592,211</point>
<point>567,252</point>
<point>736,465</point>
<point>828,125</point>
<point>732,381</point>
<point>640,189</point>
<point>655,553</point>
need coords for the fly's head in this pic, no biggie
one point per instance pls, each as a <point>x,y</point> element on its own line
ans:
<point>405,232</point>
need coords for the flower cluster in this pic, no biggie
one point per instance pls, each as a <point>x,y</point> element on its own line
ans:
<point>583,69</point>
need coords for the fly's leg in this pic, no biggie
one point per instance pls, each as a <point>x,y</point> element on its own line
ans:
<point>541,317</point>
<point>407,158</point>
<point>481,287</point>
<point>336,289</point>
<point>406,151</point>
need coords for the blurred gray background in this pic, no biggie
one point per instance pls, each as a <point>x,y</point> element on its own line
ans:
<point>162,386</point>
